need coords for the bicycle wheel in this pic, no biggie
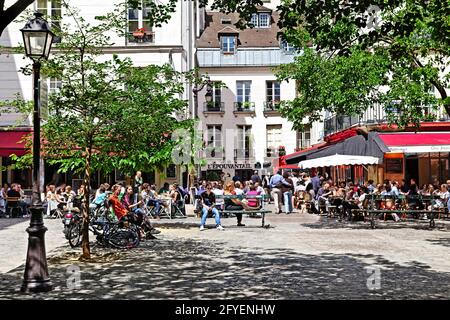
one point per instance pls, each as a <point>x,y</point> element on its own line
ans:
<point>123,238</point>
<point>74,234</point>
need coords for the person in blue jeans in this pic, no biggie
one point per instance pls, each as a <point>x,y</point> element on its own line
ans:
<point>208,205</point>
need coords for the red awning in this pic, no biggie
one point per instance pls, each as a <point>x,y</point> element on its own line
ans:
<point>415,139</point>
<point>422,142</point>
<point>11,142</point>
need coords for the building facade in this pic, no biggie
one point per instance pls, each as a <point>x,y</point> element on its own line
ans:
<point>242,128</point>
<point>171,43</point>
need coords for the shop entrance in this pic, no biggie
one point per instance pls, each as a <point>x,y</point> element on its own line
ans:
<point>244,174</point>
<point>412,169</point>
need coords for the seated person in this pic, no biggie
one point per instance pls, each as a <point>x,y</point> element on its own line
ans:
<point>99,199</point>
<point>253,203</point>
<point>123,214</point>
<point>14,192</point>
<point>235,204</point>
<point>208,205</point>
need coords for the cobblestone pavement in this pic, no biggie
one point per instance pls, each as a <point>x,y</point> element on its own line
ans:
<point>300,256</point>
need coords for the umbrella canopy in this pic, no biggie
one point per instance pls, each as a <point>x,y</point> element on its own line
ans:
<point>337,160</point>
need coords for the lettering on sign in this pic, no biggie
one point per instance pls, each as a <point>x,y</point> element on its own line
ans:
<point>218,166</point>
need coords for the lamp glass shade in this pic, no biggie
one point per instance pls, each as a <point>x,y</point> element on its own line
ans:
<point>37,38</point>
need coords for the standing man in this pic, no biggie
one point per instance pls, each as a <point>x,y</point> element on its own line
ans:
<point>316,182</point>
<point>275,185</point>
<point>138,182</point>
<point>255,177</point>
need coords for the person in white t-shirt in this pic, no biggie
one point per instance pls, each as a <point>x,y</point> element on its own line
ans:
<point>218,191</point>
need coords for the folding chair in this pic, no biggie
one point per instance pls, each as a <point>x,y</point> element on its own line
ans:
<point>179,209</point>
<point>13,209</point>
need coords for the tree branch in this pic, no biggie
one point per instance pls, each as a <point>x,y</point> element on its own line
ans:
<point>7,16</point>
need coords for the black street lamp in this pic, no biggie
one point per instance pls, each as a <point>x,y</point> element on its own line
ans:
<point>37,39</point>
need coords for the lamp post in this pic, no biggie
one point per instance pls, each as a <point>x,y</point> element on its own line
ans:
<point>208,98</point>
<point>38,40</point>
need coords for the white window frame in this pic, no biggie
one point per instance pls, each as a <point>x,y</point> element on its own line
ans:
<point>141,19</point>
<point>229,44</point>
<point>260,19</point>
<point>246,130</point>
<point>246,84</point>
<point>275,131</point>
<point>54,85</point>
<point>49,10</point>
<point>214,131</point>
<point>304,135</point>
<point>272,88</point>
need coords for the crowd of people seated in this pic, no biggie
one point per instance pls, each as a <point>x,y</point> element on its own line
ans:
<point>319,193</point>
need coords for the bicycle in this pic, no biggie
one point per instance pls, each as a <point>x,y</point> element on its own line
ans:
<point>120,235</point>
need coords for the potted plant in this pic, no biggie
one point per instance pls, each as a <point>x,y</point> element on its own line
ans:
<point>139,33</point>
<point>246,105</point>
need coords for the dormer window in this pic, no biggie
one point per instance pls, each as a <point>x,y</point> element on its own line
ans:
<point>228,44</point>
<point>261,20</point>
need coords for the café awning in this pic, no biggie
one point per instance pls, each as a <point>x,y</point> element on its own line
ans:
<point>417,142</point>
<point>338,160</point>
<point>12,142</point>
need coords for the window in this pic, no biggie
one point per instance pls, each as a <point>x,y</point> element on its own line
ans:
<point>138,19</point>
<point>260,20</point>
<point>217,93</point>
<point>52,10</point>
<point>287,47</point>
<point>54,85</point>
<point>171,171</point>
<point>304,138</point>
<point>243,150</point>
<point>214,141</point>
<point>264,20</point>
<point>274,139</point>
<point>254,20</point>
<point>225,21</point>
<point>228,44</point>
<point>273,91</point>
<point>243,91</point>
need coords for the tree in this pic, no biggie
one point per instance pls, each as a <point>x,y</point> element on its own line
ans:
<point>363,47</point>
<point>7,15</point>
<point>108,114</point>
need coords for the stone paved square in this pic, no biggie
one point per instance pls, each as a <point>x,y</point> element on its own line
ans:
<point>301,256</point>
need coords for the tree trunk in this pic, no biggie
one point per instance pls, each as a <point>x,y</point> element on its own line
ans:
<point>85,230</point>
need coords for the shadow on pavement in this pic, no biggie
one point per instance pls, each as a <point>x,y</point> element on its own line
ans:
<point>333,223</point>
<point>8,222</point>
<point>202,269</point>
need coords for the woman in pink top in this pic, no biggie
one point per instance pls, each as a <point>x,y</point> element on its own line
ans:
<point>253,203</point>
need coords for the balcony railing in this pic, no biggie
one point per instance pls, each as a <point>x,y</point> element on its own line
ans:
<point>243,154</point>
<point>214,153</point>
<point>245,106</point>
<point>213,106</point>
<point>271,106</point>
<point>372,115</point>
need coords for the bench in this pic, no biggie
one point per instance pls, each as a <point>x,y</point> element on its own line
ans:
<point>430,214</point>
<point>261,210</point>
